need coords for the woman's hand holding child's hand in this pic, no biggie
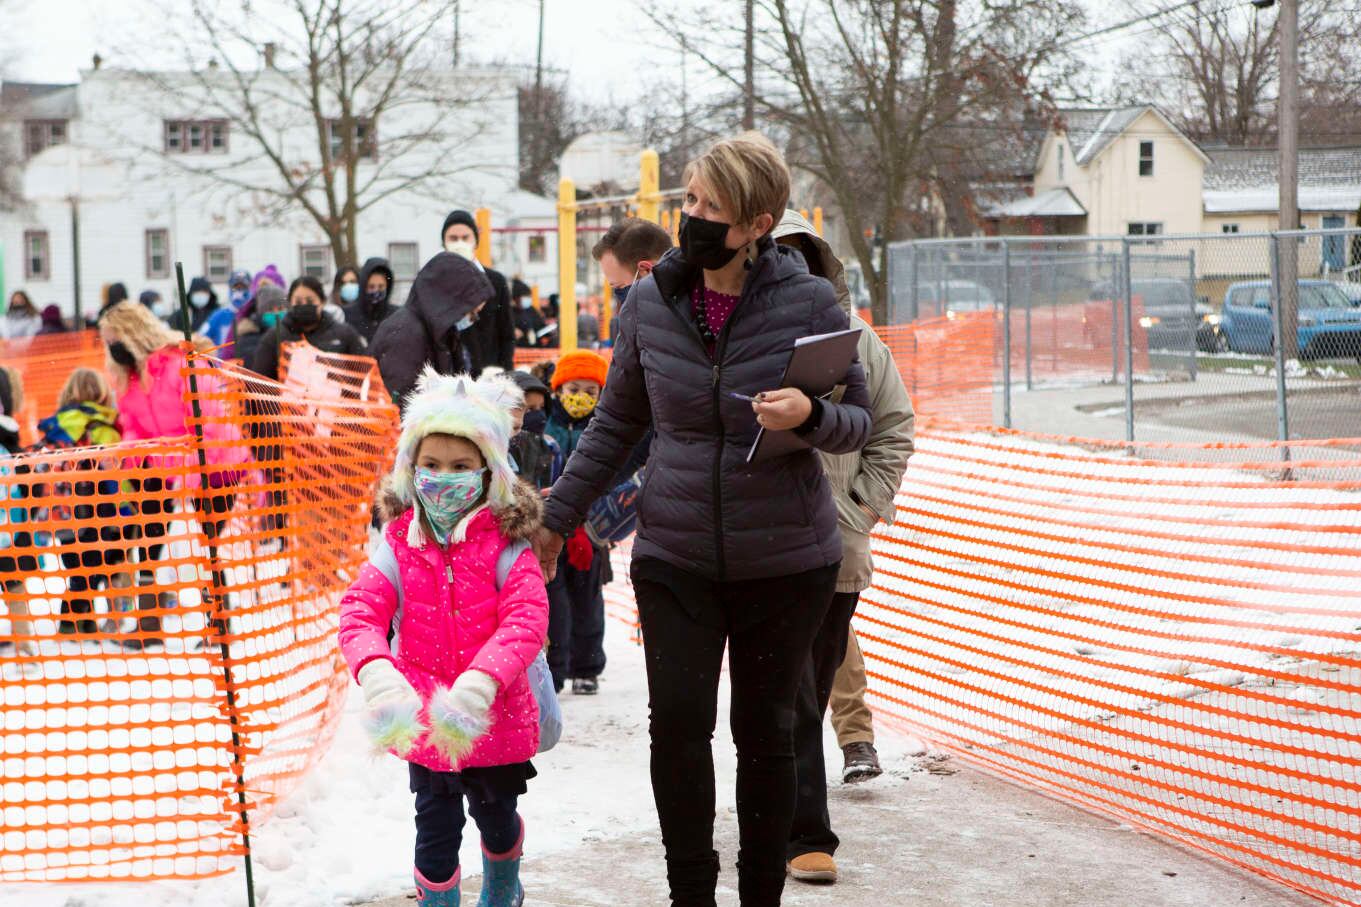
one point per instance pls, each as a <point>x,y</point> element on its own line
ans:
<point>782,410</point>
<point>392,707</point>
<point>459,714</point>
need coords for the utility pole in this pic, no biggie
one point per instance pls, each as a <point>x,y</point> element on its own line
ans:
<point>1288,121</point>
<point>458,16</point>
<point>749,75</point>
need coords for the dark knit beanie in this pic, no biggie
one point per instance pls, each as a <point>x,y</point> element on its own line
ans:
<point>459,217</point>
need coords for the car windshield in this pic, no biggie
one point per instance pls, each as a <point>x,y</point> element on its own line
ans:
<point>1162,293</point>
<point>1323,296</point>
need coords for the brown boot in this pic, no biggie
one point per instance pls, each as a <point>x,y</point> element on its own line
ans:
<point>813,867</point>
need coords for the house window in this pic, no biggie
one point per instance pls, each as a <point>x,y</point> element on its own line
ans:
<point>1228,228</point>
<point>1145,229</point>
<point>538,248</point>
<point>39,135</point>
<point>158,253</point>
<point>196,136</point>
<point>404,259</point>
<point>315,261</point>
<point>1145,158</point>
<point>364,145</point>
<point>37,255</point>
<point>217,263</point>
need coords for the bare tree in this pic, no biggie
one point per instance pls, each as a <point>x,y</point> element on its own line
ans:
<point>549,120</point>
<point>892,106</point>
<point>343,105</point>
<point>1222,72</point>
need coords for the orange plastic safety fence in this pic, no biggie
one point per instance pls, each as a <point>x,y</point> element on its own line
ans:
<point>1174,642</point>
<point>140,588</point>
<point>525,357</point>
<point>43,364</point>
<point>947,364</point>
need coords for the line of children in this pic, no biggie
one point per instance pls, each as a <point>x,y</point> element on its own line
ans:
<point>576,630</point>
<point>450,693</point>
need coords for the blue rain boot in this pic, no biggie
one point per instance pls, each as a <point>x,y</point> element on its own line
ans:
<point>438,894</point>
<point>501,876</point>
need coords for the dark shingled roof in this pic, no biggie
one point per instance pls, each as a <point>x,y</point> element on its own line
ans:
<point>1249,168</point>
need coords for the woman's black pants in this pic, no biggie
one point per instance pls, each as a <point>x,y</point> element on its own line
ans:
<point>767,626</point>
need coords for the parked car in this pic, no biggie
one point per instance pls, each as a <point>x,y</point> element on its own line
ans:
<point>1352,291</point>
<point>1329,325</point>
<point>1169,314</point>
<point>949,297</point>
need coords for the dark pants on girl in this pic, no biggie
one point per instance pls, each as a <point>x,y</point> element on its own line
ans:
<point>576,619</point>
<point>492,795</point>
<point>812,829</point>
<point>767,626</point>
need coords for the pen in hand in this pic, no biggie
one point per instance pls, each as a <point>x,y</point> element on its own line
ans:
<point>759,398</point>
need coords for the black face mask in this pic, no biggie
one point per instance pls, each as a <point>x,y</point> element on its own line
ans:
<point>376,297</point>
<point>119,353</point>
<point>701,242</point>
<point>536,420</point>
<point>304,316</point>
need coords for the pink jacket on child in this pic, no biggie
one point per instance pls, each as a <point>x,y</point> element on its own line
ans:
<point>161,409</point>
<point>454,619</point>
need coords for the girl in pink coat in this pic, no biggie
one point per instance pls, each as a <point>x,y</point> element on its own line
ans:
<point>465,602</point>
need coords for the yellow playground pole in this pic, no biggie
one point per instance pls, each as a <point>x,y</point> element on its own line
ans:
<point>817,220</point>
<point>483,218</point>
<point>567,265</point>
<point>649,185</point>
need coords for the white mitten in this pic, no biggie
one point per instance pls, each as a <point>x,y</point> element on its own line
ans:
<point>459,714</point>
<point>392,707</point>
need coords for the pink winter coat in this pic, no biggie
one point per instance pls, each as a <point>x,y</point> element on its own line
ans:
<point>161,409</point>
<point>453,619</point>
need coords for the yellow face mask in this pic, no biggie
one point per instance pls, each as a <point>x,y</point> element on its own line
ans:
<point>578,406</point>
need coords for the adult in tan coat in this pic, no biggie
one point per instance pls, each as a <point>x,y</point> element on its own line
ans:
<point>864,485</point>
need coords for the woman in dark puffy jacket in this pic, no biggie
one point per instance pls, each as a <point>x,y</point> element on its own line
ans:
<point>728,553</point>
<point>305,319</point>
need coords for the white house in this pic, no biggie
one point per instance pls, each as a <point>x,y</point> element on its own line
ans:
<point>117,163</point>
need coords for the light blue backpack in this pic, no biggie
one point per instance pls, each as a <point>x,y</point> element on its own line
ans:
<point>540,678</point>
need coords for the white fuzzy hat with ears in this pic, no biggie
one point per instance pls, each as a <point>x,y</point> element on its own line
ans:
<point>459,406</point>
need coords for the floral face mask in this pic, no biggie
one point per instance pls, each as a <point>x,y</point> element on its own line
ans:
<point>447,497</point>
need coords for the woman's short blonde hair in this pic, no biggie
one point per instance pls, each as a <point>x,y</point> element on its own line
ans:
<point>85,385</point>
<point>747,174</point>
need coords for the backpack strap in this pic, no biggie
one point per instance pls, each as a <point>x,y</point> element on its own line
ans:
<point>509,555</point>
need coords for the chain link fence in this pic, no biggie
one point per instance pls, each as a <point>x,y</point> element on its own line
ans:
<point>1155,338</point>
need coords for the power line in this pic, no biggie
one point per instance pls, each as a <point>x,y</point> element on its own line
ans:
<point>1119,26</point>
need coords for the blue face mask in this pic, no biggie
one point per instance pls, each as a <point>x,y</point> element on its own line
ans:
<point>269,319</point>
<point>238,296</point>
<point>464,323</point>
<point>198,299</point>
<point>349,291</point>
<point>620,294</point>
<point>446,498</point>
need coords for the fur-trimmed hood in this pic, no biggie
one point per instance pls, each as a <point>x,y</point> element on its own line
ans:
<point>519,521</point>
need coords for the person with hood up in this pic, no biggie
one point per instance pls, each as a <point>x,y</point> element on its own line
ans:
<point>268,276</point>
<point>305,320</point>
<point>219,326</point>
<point>864,485</point>
<point>494,330</point>
<point>728,554</point>
<point>266,310</point>
<point>529,323</point>
<point>202,304</point>
<point>53,323</point>
<point>21,318</point>
<point>373,304</point>
<point>153,300</point>
<point>432,327</point>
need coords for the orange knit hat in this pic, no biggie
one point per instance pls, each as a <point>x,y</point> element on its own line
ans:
<point>580,365</point>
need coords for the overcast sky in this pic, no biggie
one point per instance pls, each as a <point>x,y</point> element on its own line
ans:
<point>596,41</point>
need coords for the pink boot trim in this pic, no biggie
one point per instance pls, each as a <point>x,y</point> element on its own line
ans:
<point>512,854</point>
<point>439,886</point>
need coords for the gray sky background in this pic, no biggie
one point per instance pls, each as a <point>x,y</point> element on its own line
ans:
<point>610,50</point>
